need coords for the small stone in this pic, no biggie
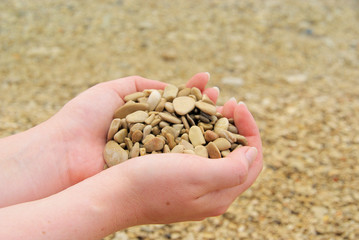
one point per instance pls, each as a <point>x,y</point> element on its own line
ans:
<point>184,92</point>
<point>241,139</point>
<point>124,123</point>
<point>155,144</point>
<point>134,96</point>
<point>150,119</point>
<point>197,93</point>
<point>183,105</point>
<point>161,105</point>
<point>129,143</point>
<point>222,144</point>
<point>156,130</point>
<point>142,151</point>
<point>228,135</point>
<point>206,99</point>
<point>135,151</point>
<point>185,136</point>
<point>187,151</point>
<point>221,124</point>
<point>232,129</point>
<point>169,118</point>
<point>137,117</point>
<point>207,108</point>
<point>120,136</point>
<point>210,136</point>
<point>185,123</point>
<point>213,151</point>
<point>166,149</point>
<point>155,122</point>
<point>114,154</point>
<point>186,144</point>
<point>190,120</point>
<point>170,140</point>
<point>137,126</point>
<point>170,92</point>
<point>178,126</point>
<point>201,151</point>
<point>153,100</point>
<point>129,108</point>
<point>148,138</point>
<point>178,149</point>
<point>206,126</point>
<point>196,136</point>
<point>163,124</point>
<point>147,130</point>
<point>169,107</point>
<point>225,153</point>
<point>171,131</point>
<point>115,125</point>
<point>136,136</point>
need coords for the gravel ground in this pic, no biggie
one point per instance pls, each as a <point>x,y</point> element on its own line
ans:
<point>294,63</point>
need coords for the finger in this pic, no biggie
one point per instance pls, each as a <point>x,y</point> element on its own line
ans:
<point>244,121</point>
<point>212,93</point>
<point>228,108</point>
<point>127,85</point>
<point>199,81</point>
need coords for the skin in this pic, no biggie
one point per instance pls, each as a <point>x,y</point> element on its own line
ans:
<point>52,184</point>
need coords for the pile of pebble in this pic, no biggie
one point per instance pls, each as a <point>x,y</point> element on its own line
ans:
<point>173,120</point>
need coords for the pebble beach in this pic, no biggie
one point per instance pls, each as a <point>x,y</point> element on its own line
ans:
<point>294,63</point>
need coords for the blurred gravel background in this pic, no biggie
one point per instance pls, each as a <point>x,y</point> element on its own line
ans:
<point>294,63</point>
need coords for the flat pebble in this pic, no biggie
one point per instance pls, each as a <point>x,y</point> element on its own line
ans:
<point>213,151</point>
<point>155,144</point>
<point>170,92</point>
<point>114,154</point>
<point>115,125</point>
<point>183,105</point>
<point>137,136</point>
<point>222,144</point>
<point>210,136</point>
<point>129,108</point>
<point>169,107</point>
<point>153,100</point>
<point>134,96</point>
<point>196,136</point>
<point>207,108</point>
<point>178,149</point>
<point>197,93</point>
<point>201,151</point>
<point>135,151</point>
<point>184,92</point>
<point>221,124</point>
<point>120,136</point>
<point>137,117</point>
<point>169,118</point>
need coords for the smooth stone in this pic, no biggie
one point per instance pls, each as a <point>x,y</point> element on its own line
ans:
<point>148,138</point>
<point>137,117</point>
<point>129,143</point>
<point>178,149</point>
<point>187,151</point>
<point>170,92</point>
<point>123,145</point>
<point>228,135</point>
<point>163,124</point>
<point>114,154</point>
<point>171,131</point>
<point>147,130</point>
<point>222,144</point>
<point>225,153</point>
<point>142,100</point>
<point>134,96</point>
<point>137,126</point>
<point>166,149</point>
<point>206,126</point>
<point>213,151</point>
<point>196,136</point>
<point>170,140</point>
<point>197,93</point>
<point>232,129</point>
<point>120,136</point>
<point>156,130</point>
<point>142,151</point>
<point>221,124</point>
<point>242,140</point>
<point>210,136</point>
<point>161,105</point>
<point>185,136</point>
<point>186,144</point>
<point>115,125</point>
<point>150,119</point>
<point>156,121</point>
<point>135,151</point>
<point>153,100</point>
<point>169,118</point>
<point>183,105</point>
<point>201,151</point>
<point>124,123</point>
<point>206,99</point>
<point>185,122</point>
<point>205,107</point>
<point>129,108</point>
<point>169,107</point>
<point>190,120</point>
<point>178,126</point>
<point>136,136</point>
<point>155,144</point>
<point>184,92</point>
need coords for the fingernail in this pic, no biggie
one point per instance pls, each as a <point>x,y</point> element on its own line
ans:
<point>232,99</point>
<point>251,154</point>
<point>209,75</point>
<point>241,103</point>
<point>217,88</point>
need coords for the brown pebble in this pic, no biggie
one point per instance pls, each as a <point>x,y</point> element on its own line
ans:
<point>206,126</point>
<point>137,136</point>
<point>190,120</point>
<point>163,124</point>
<point>129,108</point>
<point>221,124</point>
<point>137,117</point>
<point>210,136</point>
<point>124,124</point>
<point>222,144</point>
<point>228,135</point>
<point>171,131</point>
<point>114,154</point>
<point>156,130</point>
<point>186,144</point>
<point>232,129</point>
<point>213,151</point>
<point>148,138</point>
<point>155,144</point>
<point>170,140</point>
<point>150,119</point>
<point>241,139</point>
<point>129,143</point>
<point>166,149</point>
<point>201,151</point>
<point>115,125</point>
<point>147,130</point>
<point>155,122</point>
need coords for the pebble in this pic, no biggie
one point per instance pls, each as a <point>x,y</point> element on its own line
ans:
<point>221,124</point>
<point>163,124</point>
<point>153,100</point>
<point>201,151</point>
<point>169,118</point>
<point>115,125</point>
<point>241,140</point>
<point>184,92</point>
<point>171,131</point>
<point>134,96</point>
<point>210,136</point>
<point>128,143</point>
<point>186,144</point>
<point>155,122</point>
<point>196,136</point>
<point>206,99</point>
<point>225,153</point>
<point>197,93</point>
<point>187,151</point>
<point>170,140</point>
<point>120,135</point>
<point>183,105</point>
<point>169,107</point>
<point>166,149</point>
<point>232,129</point>
<point>129,108</point>
<point>190,120</point>
<point>228,135</point>
<point>137,117</point>
<point>178,149</point>
<point>206,126</point>
<point>207,108</point>
<point>135,151</point>
<point>142,151</point>
<point>155,144</point>
<point>170,92</point>
<point>114,154</point>
<point>161,105</point>
<point>136,136</point>
<point>213,151</point>
<point>185,123</point>
<point>222,144</point>
<point>147,130</point>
